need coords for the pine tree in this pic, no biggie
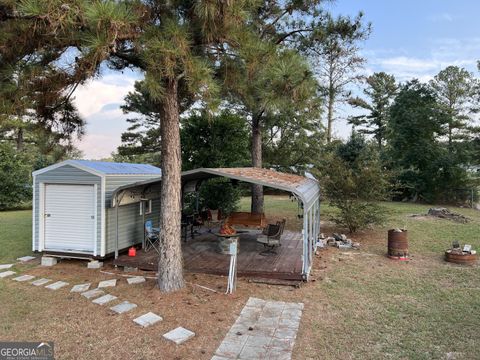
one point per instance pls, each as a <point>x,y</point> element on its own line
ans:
<point>380,92</point>
<point>173,42</point>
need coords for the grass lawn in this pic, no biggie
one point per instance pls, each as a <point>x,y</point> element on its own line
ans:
<point>15,235</point>
<point>359,304</point>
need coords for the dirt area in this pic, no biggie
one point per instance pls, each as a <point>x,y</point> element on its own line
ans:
<point>359,304</point>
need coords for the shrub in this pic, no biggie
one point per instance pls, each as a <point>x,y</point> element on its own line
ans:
<point>354,185</point>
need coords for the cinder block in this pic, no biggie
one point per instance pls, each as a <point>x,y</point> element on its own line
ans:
<point>48,261</point>
<point>95,264</point>
<point>130,269</point>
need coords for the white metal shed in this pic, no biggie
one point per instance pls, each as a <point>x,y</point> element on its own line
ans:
<point>71,207</point>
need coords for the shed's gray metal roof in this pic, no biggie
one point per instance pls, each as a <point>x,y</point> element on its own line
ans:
<point>306,189</point>
<point>103,168</point>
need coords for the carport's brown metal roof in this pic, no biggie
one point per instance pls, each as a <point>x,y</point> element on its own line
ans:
<point>306,189</point>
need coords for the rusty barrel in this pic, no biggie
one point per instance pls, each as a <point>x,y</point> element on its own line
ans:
<point>397,243</point>
<point>463,259</point>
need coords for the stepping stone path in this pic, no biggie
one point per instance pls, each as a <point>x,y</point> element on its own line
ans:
<point>264,329</point>
<point>5,266</point>
<point>148,319</point>
<point>102,300</point>
<point>93,293</point>
<point>24,278</point>
<point>80,288</point>
<point>56,285</point>
<point>107,283</point>
<point>135,280</point>
<point>123,307</point>
<point>26,258</point>
<point>7,273</point>
<point>40,282</point>
<point>179,335</point>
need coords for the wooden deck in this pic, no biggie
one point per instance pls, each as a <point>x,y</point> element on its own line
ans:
<point>200,255</point>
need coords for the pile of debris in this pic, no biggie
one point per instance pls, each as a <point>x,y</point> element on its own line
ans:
<point>458,250</point>
<point>444,213</point>
<point>337,240</point>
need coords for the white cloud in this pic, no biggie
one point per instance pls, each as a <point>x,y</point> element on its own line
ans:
<point>98,102</point>
<point>95,94</point>
<point>441,17</point>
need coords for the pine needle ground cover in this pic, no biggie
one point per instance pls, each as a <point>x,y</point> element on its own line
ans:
<point>359,304</point>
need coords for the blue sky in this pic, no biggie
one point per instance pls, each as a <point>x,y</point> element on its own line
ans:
<point>409,39</point>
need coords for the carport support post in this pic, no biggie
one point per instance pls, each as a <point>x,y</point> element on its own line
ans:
<point>116,226</point>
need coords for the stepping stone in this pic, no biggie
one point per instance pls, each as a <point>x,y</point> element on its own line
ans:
<point>24,278</point>
<point>148,319</point>
<point>136,280</point>
<point>93,293</point>
<point>80,288</point>
<point>26,258</point>
<point>40,282</point>
<point>5,266</point>
<point>102,300</point>
<point>179,335</point>
<point>7,273</point>
<point>57,285</point>
<point>123,307</point>
<point>107,283</point>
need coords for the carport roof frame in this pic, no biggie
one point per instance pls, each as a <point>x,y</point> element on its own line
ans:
<point>306,189</point>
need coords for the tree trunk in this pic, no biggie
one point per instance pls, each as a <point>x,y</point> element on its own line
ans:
<point>19,139</point>
<point>330,113</point>
<point>170,260</point>
<point>257,190</point>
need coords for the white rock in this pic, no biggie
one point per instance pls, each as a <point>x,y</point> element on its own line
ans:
<point>107,283</point>
<point>123,307</point>
<point>93,293</point>
<point>179,335</point>
<point>40,282</point>
<point>5,266</point>
<point>148,319</point>
<point>26,258</point>
<point>136,280</point>
<point>7,273</point>
<point>57,285</point>
<point>102,300</point>
<point>24,278</point>
<point>80,288</point>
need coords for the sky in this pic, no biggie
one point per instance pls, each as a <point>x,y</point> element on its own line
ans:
<point>410,39</point>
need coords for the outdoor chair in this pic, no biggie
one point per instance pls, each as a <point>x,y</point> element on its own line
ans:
<point>270,237</point>
<point>152,237</point>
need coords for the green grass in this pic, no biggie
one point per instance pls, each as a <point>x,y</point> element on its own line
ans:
<point>362,304</point>
<point>15,234</point>
<point>365,306</point>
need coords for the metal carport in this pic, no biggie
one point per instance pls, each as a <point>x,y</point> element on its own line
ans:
<point>306,190</point>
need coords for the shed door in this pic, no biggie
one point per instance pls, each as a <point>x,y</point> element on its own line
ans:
<point>69,218</point>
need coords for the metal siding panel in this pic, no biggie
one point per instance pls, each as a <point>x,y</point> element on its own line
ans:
<point>67,227</point>
<point>67,174</point>
<point>130,225</point>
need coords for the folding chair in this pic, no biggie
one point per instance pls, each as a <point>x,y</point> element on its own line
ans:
<point>270,237</point>
<point>152,237</point>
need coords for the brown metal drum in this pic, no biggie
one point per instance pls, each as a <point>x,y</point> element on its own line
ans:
<point>397,243</point>
<point>465,259</point>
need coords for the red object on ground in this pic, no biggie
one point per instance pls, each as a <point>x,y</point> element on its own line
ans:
<point>132,251</point>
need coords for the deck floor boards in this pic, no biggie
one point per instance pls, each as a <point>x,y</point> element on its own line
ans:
<point>200,255</point>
